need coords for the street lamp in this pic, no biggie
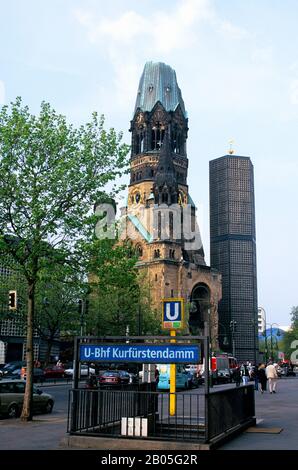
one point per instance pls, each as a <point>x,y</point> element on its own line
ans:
<point>225,341</point>
<point>254,324</point>
<point>271,337</point>
<point>233,324</point>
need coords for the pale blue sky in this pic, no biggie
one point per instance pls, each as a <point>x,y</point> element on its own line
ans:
<point>237,66</point>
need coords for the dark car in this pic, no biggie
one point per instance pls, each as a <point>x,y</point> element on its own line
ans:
<point>223,376</point>
<point>193,381</point>
<point>285,371</point>
<point>114,378</point>
<point>38,374</point>
<point>8,368</point>
<point>54,372</point>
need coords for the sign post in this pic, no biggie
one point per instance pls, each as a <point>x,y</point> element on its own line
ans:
<point>173,320</point>
<point>173,381</point>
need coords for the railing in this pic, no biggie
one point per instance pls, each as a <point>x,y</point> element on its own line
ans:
<point>134,413</point>
<point>228,409</point>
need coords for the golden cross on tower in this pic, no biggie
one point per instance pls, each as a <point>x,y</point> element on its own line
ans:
<point>231,150</point>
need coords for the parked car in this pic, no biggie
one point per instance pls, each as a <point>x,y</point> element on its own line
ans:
<point>12,396</point>
<point>54,372</point>
<point>193,381</point>
<point>8,368</point>
<point>85,371</point>
<point>133,378</point>
<point>20,373</point>
<point>114,378</point>
<point>285,371</point>
<point>223,376</point>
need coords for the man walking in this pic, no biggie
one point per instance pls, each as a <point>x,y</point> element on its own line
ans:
<point>271,374</point>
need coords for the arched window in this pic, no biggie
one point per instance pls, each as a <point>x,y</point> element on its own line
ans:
<point>157,135</point>
<point>140,142</point>
<point>139,251</point>
<point>171,224</point>
<point>159,225</point>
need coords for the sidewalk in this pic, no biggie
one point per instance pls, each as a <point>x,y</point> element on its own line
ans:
<point>278,410</point>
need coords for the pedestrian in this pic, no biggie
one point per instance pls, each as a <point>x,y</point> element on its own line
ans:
<point>156,376</point>
<point>272,376</point>
<point>91,382</point>
<point>237,376</point>
<point>254,376</point>
<point>244,374</point>
<point>262,378</point>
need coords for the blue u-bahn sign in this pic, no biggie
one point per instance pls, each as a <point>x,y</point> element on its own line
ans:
<point>173,313</point>
<point>143,353</point>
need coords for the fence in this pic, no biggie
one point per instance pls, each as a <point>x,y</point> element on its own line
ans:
<point>228,409</point>
<point>143,414</point>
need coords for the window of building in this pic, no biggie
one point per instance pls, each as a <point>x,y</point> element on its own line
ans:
<point>139,251</point>
<point>157,135</point>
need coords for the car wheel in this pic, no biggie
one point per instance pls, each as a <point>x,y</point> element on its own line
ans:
<point>13,411</point>
<point>49,406</point>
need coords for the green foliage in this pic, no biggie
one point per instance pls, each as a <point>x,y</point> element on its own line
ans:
<point>120,298</point>
<point>56,306</point>
<point>51,175</point>
<point>292,335</point>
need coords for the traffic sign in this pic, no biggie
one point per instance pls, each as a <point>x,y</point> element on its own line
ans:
<point>143,353</point>
<point>173,313</point>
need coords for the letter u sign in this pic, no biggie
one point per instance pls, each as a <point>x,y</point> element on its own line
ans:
<point>172,312</point>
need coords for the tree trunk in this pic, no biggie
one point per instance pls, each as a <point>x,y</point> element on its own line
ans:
<point>27,405</point>
<point>48,353</point>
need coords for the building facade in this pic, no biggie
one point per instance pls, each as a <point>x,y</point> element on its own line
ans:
<point>160,214</point>
<point>233,252</point>
<point>261,320</point>
<point>13,322</point>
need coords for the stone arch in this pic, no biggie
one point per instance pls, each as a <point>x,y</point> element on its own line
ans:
<point>199,304</point>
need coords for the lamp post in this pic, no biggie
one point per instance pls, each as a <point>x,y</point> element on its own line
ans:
<point>83,307</point>
<point>254,324</point>
<point>225,341</point>
<point>271,337</point>
<point>233,324</point>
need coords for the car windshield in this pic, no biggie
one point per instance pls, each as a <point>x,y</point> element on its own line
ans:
<point>9,366</point>
<point>113,374</point>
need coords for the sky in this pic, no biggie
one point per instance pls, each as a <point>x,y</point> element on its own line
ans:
<point>237,66</point>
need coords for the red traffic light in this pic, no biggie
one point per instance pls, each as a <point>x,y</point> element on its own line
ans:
<point>12,302</point>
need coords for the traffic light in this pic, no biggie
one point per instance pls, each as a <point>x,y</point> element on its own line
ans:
<point>80,306</point>
<point>195,321</point>
<point>12,300</point>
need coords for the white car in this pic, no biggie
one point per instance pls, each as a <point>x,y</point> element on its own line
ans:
<point>85,371</point>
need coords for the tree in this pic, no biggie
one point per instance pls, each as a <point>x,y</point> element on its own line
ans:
<point>51,174</point>
<point>120,297</point>
<point>57,294</point>
<point>291,336</point>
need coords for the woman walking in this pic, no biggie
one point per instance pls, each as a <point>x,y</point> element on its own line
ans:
<point>272,376</point>
<point>262,377</point>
